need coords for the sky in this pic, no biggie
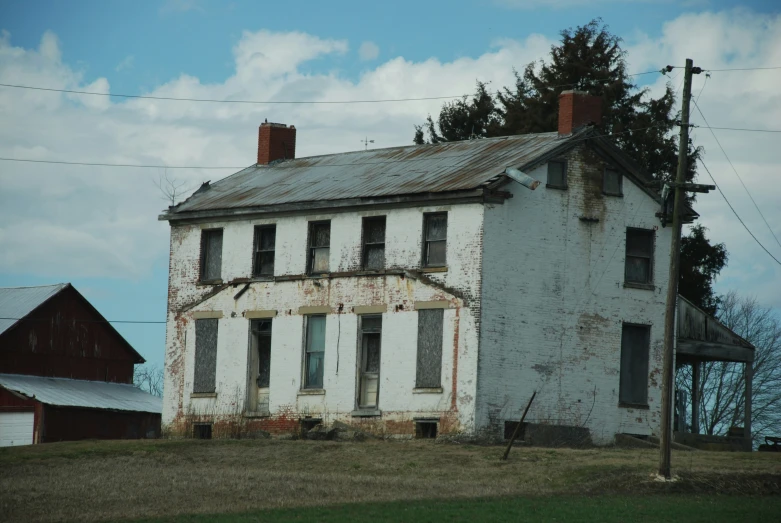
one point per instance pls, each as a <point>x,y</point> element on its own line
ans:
<point>97,227</point>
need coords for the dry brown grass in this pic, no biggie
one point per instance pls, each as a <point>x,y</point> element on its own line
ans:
<point>91,481</point>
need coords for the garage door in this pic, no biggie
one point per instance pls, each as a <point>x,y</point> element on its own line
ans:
<point>16,428</point>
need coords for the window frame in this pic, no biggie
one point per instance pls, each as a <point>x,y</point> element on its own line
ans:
<point>361,361</point>
<point>256,334</point>
<point>205,234</point>
<point>649,284</point>
<point>257,251</point>
<point>620,192</point>
<point>647,349</point>
<point>305,385</point>
<point>365,244</point>
<point>425,248</point>
<point>310,261</point>
<point>564,170</point>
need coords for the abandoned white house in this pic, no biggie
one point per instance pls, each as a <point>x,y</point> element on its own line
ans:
<point>425,288</point>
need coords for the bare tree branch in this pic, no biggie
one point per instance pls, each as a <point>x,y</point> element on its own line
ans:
<point>149,378</point>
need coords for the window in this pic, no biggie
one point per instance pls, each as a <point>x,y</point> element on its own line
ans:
<point>633,384</point>
<point>429,365</point>
<point>374,243</point>
<point>426,429</point>
<point>261,336</point>
<point>319,246</point>
<point>557,174</point>
<point>639,256</point>
<point>315,352</point>
<point>265,239</point>
<point>205,355</point>
<point>368,388</point>
<point>202,430</point>
<point>612,182</point>
<point>211,254</point>
<point>434,239</point>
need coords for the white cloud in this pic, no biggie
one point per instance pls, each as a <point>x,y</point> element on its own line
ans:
<point>125,63</point>
<point>95,221</point>
<point>368,51</point>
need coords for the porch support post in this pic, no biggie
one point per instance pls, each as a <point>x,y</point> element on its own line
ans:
<point>695,397</point>
<point>748,370</point>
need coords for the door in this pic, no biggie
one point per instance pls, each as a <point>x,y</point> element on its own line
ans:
<point>260,366</point>
<point>16,428</point>
<point>369,361</point>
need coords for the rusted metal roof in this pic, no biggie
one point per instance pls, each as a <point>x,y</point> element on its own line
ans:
<point>66,392</point>
<point>18,302</point>
<point>452,166</point>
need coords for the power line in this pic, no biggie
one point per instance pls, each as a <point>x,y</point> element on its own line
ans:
<point>90,321</point>
<point>736,214</point>
<point>97,164</point>
<point>743,69</point>
<point>738,129</point>
<point>738,175</point>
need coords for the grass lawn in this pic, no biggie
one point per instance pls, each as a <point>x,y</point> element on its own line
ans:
<point>275,480</point>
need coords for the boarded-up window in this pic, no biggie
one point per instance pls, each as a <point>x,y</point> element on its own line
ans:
<point>374,242</point>
<point>211,254</point>
<point>315,352</point>
<point>557,174</point>
<point>319,246</point>
<point>639,256</point>
<point>205,355</point>
<point>435,240</point>
<point>633,383</point>
<point>371,334</point>
<point>612,182</point>
<point>429,367</point>
<point>261,331</point>
<point>265,241</point>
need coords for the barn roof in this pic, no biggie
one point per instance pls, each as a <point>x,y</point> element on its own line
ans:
<point>65,392</point>
<point>18,302</point>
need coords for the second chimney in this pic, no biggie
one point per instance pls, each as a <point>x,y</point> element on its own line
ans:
<point>276,141</point>
<point>577,108</point>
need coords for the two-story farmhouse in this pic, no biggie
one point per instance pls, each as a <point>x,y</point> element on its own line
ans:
<point>421,290</point>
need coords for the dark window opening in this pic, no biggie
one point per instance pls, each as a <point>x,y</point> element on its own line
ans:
<point>261,332</point>
<point>314,352</point>
<point>265,241</point>
<point>435,240</point>
<point>308,424</point>
<point>429,363</point>
<point>369,386</point>
<point>426,429</point>
<point>639,256</point>
<point>374,243</point>
<point>211,254</point>
<point>612,182</point>
<point>509,429</point>
<point>319,247</point>
<point>202,431</point>
<point>557,174</point>
<point>205,355</point>
<point>633,381</point>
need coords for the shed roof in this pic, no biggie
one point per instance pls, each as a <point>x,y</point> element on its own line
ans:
<point>18,302</point>
<point>65,392</point>
<point>445,167</point>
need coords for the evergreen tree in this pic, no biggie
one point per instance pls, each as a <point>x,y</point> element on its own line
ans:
<point>701,262</point>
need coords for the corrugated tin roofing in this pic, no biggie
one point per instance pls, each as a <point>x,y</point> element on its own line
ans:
<point>451,166</point>
<point>18,302</point>
<point>66,392</point>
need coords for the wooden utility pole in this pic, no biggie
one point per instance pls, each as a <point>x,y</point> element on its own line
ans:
<point>672,287</point>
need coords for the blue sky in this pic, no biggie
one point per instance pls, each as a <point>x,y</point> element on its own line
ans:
<point>97,228</point>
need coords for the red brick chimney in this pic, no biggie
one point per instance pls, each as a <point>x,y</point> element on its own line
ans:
<point>576,109</point>
<point>276,141</point>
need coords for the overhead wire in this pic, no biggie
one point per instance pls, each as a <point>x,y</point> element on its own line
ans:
<point>90,321</point>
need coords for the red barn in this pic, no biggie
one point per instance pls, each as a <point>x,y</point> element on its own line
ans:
<point>65,372</point>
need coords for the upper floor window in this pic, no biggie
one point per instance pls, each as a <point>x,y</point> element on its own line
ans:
<point>211,254</point>
<point>612,181</point>
<point>639,256</point>
<point>265,240</point>
<point>557,174</point>
<point>319,246</point>
<point>374,242</point>
<point>435,240</point>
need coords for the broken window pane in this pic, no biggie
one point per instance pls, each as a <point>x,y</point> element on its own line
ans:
<point>205,355</point>
<point>375,257</point>
<point>429,364</point>
<point>639,256</point>
<point>374,243</point>
<point>319,243</point>
<point>435,240</point>
<point>557,174</point>
<point>261,330</point>
<point>436,227</point>
<point>211,254</point>
<point>374,230</point>
<point>315,352</point>
<point>633,382</point>
<point>320,260</point>
<point>321,234</point>
<point>372,348</point>
<point>612,182</point>
<point>265,240</point>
